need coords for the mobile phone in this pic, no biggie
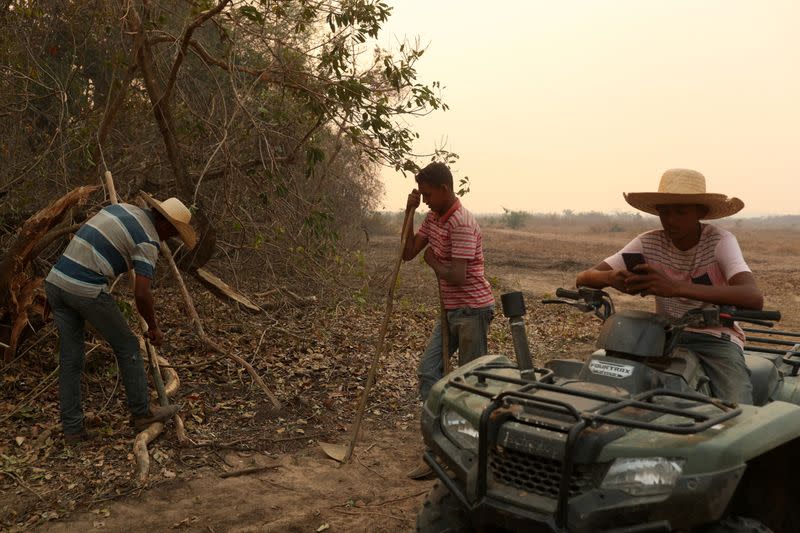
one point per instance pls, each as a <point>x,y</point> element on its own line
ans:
<point>632,260</point>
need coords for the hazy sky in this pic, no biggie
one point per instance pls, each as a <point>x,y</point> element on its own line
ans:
<point>565,104</point>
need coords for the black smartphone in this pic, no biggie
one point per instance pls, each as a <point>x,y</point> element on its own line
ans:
<point>632,260</point>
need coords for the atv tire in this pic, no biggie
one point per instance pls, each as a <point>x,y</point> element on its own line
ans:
<point>737,524</point>
<point>442,513</point>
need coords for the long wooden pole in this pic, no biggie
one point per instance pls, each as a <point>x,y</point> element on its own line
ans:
<point>379,345</point>
<point>158,380</point>
<point>445,329</point>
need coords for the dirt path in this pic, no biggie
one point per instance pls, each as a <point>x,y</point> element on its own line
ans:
<point>305,491</point>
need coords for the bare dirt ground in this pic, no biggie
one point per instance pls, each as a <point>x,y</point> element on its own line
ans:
<point>302,491</point>
<point>317,362</point>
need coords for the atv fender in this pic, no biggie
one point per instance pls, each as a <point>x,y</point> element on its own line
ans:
<point>756,431</point>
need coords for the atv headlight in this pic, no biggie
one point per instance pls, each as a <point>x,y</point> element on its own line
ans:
<point>643,476</point>
<point>459,430</point>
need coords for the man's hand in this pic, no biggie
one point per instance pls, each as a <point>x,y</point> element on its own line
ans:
<point>156,336</point>
<point>618,280</point>
<point>413,200</point>
<point>650,280</point>
<point>430,258</point>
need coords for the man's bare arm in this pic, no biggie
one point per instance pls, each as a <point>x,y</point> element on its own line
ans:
<point>143,297</point>
<point>741,291</point>
<point>414,244</point>
<point>455,273</point>
<point>601,276</point>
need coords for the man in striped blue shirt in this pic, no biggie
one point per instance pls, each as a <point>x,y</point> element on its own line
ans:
<point>119,238</point>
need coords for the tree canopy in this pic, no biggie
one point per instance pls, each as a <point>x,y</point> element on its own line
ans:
<point>269,117</point>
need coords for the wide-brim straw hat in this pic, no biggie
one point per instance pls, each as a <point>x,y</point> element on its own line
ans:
<point>684,186</point>
<point>177,214</point>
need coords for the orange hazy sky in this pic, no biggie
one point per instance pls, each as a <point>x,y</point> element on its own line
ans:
<point>565,104</point>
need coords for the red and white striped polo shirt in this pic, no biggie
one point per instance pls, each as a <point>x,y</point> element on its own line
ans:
<point>456,235</point>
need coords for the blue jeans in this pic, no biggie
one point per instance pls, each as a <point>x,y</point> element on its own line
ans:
<point>723,362</point>
<point>469,329</point>
<point>70,313</point>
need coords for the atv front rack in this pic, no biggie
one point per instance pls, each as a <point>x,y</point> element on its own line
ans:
<point>790,355</point>
<point>501,409</point>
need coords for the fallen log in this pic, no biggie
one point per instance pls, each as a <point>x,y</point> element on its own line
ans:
<point>17,289</point>
<point>23,294</point>
<point>223,290</point>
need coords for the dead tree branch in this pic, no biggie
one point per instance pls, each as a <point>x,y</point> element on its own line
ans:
<point>165,251</point>
<point>185,38</point>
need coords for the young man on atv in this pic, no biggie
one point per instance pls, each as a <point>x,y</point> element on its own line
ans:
<point>689,264</point>
<point>451,238</point>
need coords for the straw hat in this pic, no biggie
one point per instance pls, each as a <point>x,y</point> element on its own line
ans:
<point>684,186</point>
<point>177,214</point>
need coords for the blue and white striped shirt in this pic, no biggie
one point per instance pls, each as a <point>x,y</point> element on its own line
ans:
<point>116,239</point>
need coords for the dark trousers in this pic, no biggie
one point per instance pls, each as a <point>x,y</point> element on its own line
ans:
<point>469,329</point>
<point>723,362</point>
<point>70,313</point>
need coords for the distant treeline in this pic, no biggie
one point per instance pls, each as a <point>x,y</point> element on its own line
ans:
<point>594,221</point>
<point>571,220</point>
<point>773,222</point>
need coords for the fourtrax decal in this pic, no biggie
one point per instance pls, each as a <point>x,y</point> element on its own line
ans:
<point>613,370</point>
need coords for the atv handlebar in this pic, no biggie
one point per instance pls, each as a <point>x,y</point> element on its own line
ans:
<point>585,299</point>
<point>588,299</point>
<point>744,314</point>
<point>566,293</point>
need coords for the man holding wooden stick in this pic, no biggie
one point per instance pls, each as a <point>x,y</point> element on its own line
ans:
<point>118,238</point>
<point>451,238</point>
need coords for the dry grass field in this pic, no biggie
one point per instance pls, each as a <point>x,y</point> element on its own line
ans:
<point>539,262</point>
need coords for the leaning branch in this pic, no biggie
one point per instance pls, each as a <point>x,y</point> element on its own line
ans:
<point>185,38</point>
<point>165,251</point>
<point>21,250</point>
<point>264,75</point>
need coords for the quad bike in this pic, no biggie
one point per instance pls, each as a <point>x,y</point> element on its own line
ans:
<point>626,441</point>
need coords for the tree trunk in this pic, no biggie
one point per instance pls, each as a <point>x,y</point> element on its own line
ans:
<point>166,125</point>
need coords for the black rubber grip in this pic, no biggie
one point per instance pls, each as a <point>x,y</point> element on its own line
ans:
<point>566,293</point>
<point>758,315</point>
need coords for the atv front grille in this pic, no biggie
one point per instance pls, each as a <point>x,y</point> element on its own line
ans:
<point>538,475</point>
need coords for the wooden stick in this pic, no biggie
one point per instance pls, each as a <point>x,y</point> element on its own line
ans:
<point>445,330</point>
<point>379,345</point>
<point>154,367</point>
<point>110,188</point>
<point>187,298</point>
<point>158,380</point>
<point>250,470</point>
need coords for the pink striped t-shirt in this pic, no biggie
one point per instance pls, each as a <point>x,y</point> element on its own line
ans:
<point>456,235</point>
<point>713,261</point>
